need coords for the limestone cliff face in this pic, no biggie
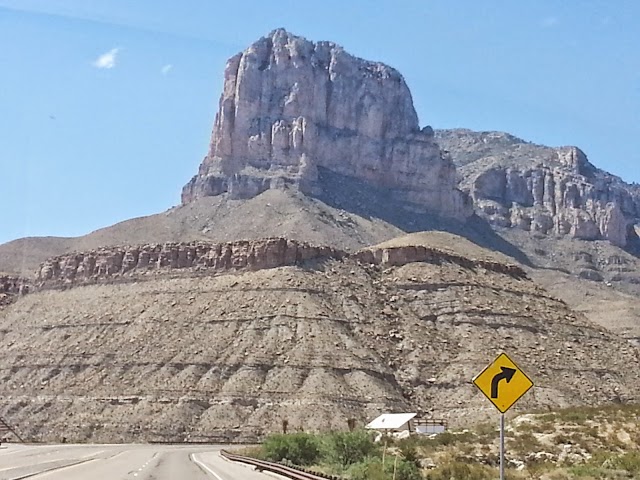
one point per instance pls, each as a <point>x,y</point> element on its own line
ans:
<point>290,106</point>
<point>541,189</point>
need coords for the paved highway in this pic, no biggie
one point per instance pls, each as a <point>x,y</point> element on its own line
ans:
<point>120,462</point>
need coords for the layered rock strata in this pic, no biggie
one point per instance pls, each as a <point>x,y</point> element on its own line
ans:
<point>290,106</point>
<point>222,358</point>
<point>111,263</point>
<point>541,189</point>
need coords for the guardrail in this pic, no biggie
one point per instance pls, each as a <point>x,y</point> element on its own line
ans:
<point>295,473</point>
<point>6,428</point>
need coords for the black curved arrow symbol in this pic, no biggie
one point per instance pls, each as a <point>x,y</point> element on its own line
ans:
<point>506,374</point>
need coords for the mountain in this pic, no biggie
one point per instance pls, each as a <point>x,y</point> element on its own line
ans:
<point>577,224</point>
<point>285,286</point>
<point>222,342</point>
<point>290,107</point>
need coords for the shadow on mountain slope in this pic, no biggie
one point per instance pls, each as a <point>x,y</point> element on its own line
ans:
<point>364,200</point>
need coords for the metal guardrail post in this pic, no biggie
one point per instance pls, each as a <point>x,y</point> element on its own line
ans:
<point>295,473</point>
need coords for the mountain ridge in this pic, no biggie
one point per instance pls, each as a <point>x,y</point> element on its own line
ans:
<point>543,189</point>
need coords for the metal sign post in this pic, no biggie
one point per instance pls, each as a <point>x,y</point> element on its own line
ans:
<point>503,383</point>
<point>502,446</point>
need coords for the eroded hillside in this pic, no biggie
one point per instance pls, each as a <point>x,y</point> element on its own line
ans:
<point>221,354</point>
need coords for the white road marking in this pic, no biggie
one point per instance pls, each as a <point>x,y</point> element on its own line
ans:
<point>63,459</point>
<point>203,466</point>
<point>58,470</point>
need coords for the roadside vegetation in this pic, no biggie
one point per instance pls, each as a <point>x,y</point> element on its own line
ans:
<point>574,443</point>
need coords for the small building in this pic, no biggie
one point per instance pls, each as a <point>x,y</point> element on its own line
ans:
<point>393,423</point>
<point>406,423</point>
<point>429,426</point>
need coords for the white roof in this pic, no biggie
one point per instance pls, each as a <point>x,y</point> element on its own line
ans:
<point>391,420</point>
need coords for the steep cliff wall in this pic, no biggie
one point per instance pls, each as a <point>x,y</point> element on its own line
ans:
<point>541,189</point>
<point>289,106</point>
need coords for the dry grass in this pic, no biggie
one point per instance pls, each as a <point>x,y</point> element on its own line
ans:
<point>572,443</point>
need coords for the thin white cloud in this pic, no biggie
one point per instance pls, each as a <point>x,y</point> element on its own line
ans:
<point>107,59</point>
<point>549,22</point>
<point>166,69</point>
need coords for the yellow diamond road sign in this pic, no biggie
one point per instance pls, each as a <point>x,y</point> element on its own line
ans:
<point>503,383</point>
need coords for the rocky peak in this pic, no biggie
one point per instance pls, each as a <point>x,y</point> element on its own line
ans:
<point>574,160</point>
<point>290,107</point>
<point>541,189</point>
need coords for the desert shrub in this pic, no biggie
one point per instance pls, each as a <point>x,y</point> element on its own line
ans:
<point>488,429</point>
<point>605,466</point>
<point>613,442</point>
<point>405,470</point>
<point>592,431</point>
<point>562,438</point>
<point>557,476</point>
<point>370,469</point>
<point>347,448</point>
<point>587,471</point>
<point>373,469</point>
<point>578,415</point>
<point>544,426</point>
<point>537,470</point>
<point>443,439</point>
<point>409,448</point>
<point>298,448</point>
<point>486,433</point>
<point>548,417</point>
<point>629,462</point>
<point>525,443</point>
<point>253,452</point>
<point>456,470</point>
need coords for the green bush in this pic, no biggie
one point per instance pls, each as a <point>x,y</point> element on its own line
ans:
<point>455,470</point>
<point>443,439</point>
<point>525,443</point>
<point>372,469</point>
<point>629,462</point>
<point>298,448</point>
<point>347,448</point>
<point>405,470</point>
<point>605,466</point>
<point>588,471</point>
<point>408,449</point>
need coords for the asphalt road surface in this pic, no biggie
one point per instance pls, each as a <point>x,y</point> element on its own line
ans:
<point>120,462</point>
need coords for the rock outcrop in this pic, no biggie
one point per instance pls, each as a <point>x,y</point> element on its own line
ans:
<point>290,107</point>
<point>541,189</point>
<point>11,287</point>
<point>112,263</point>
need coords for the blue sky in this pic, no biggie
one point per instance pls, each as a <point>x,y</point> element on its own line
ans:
<point>107,105</point>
